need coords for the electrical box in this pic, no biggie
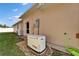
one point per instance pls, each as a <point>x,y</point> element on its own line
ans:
<point>77,35</point>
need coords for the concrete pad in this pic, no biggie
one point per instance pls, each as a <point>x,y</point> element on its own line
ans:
<point>29,52</point>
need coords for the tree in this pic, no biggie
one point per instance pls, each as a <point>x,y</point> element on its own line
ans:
<point>4,26</point>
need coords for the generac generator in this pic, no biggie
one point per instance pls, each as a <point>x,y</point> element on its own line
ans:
<point>36,42</point>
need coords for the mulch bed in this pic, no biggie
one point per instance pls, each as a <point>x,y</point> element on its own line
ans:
<point>59,53</point>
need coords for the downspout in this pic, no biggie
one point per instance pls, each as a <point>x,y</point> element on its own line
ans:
<point>38,25</point>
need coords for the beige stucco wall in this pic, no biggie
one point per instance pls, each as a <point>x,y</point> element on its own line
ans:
<point>19,28</point>
<point>15,28</point>
<point>25,20</point>
<point>55,20</point>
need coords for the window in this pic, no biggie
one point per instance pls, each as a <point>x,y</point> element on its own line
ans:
<point>27,27</point>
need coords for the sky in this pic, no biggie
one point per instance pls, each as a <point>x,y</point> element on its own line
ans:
<point>10,12</point>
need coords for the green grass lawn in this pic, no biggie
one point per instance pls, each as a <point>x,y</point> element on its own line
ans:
<point>8,45</point>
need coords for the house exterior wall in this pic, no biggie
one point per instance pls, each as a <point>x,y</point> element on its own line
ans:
<point>15,28</point>
<point>30,20</point>
<point>55,21</point>
<point>20,28</point>
<point>61,20</point>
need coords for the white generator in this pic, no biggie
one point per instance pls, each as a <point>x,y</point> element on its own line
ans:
<point>36,42</point>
